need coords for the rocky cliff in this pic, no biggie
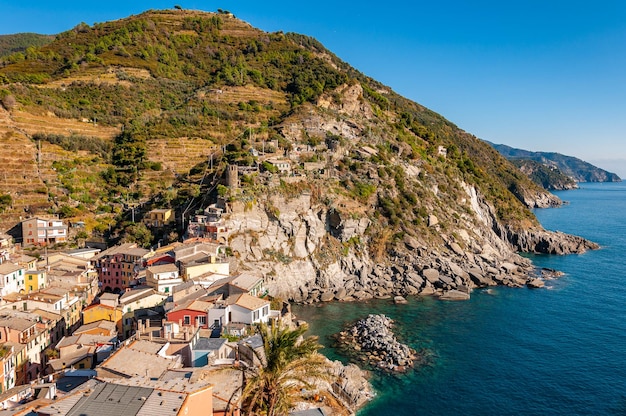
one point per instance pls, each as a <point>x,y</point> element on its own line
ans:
<point>311,252</point>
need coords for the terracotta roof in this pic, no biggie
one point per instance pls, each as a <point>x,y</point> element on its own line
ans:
<point>98,305</point>
<point>164,268</point>
<point>6,268</point>
<point>249,302</point>
<point>193,305</point>
<point>245,281</point>
<point>18,324</point>
<point>102,324</point>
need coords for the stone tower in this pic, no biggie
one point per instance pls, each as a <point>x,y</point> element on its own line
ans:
<point>232,176</point>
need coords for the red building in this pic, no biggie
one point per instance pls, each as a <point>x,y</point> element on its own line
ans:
<point>119,266</point>
<point>191,313</point>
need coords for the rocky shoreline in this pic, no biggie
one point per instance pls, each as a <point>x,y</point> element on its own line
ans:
<point>372,341</point>
<point>311,254</point>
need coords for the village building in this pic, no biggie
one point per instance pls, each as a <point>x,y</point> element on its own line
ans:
<point>141,358</point>
<point>43,231</point>
<point>84,253</point>
<point>12,279</point>
<point>140,302</point>
<point>282,165</point>
<point>99,311</point>
<point>28,262</point>
<point>158,218</point>
<point>35,280</point>
<point>209,224</point>
<point>197,259</point>
<point>73,273</point>
<point>209,351</point>
<point>19,328</point>
<point>7,368</point>
<point>81,351</point>
<point>54,324</point>
<point>103,327</point>
<point>118,267</point>
<point>135,397</point>
<point>163,278</point>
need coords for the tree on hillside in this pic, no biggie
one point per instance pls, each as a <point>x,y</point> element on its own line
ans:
<point>128,155</point>
<point>288,364</point>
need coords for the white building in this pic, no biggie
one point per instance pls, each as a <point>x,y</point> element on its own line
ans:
<point>240,309</point>
<point>12,278</point>
<point>163,278</point>
<point>43,231</point>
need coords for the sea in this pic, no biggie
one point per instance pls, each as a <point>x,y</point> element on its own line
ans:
<point>560,350</point>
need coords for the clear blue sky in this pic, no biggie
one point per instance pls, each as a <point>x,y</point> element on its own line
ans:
<point>545,75</point>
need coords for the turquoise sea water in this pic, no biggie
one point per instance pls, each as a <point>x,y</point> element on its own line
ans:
<point>554,351</point>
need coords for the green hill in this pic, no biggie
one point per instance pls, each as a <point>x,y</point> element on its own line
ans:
<point>547,176</point>
<point>19,42</point>
<point>577,169</point>
<point>150,109</point>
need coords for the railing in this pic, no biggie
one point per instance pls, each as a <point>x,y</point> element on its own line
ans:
<point>342,394</point>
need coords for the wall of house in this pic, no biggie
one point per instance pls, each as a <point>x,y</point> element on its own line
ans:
<point>100,313</point>
<point>199,403</point>
<point>217,314</point>
<point>239,314</point>
<point>179,316</point>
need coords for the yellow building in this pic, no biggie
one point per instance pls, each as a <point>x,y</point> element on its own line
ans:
<point>35,280</point>
<point>100,312</point>
<point>159,217</point>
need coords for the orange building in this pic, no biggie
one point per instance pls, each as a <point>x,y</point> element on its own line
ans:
<point>100,312</point>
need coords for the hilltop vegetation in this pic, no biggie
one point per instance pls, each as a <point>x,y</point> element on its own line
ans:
<point>549,177</point>
<point>178,88</point>
<point>19,42</point>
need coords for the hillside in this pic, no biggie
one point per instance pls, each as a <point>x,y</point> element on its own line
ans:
<point>578,170</point>
<point>547,176</point>
<point>148,111</point>
<point>19,42</point>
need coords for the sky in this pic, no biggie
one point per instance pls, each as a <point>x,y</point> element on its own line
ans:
<point>540,75</point>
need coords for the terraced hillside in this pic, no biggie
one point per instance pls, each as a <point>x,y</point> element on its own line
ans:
<point>128,112</point>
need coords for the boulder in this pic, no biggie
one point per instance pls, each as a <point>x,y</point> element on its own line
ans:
<point>432,275</point>
<point>454,295</point>
<point>341,293</point>
<point>399,299</point>
<point>535,283</point>
<point>457,249</point>
<point>327,296</point>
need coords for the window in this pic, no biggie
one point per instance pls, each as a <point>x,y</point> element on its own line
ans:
<point>255,315</point>
<point>186,320</point>
<point>201,319</point>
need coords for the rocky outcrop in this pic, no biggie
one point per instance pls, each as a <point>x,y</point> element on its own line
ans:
<point>310,252</point>
<point>373,342</point>
<point>548,242</point>
<point>351,384</point>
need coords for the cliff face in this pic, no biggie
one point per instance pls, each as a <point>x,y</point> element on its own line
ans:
<point>309,252</point>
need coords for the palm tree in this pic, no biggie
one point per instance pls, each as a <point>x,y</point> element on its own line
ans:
<point>288,364</point>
